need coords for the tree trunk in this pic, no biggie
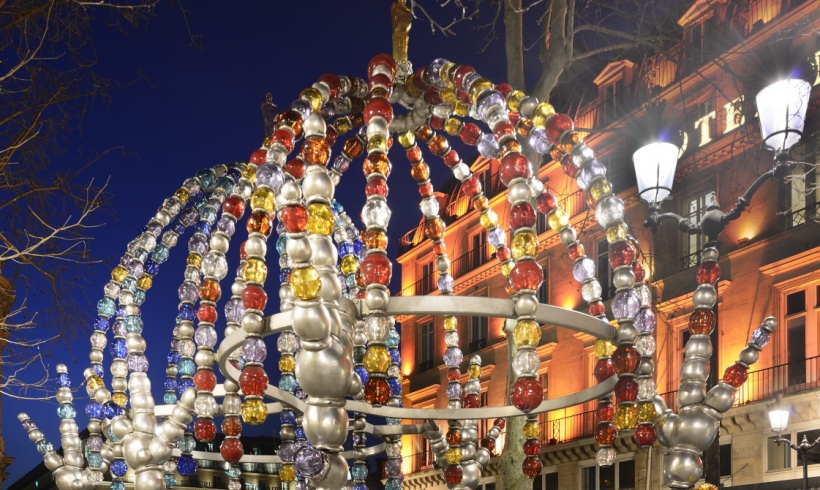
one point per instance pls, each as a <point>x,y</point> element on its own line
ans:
<point>509,466</point>
<point>514,44</point>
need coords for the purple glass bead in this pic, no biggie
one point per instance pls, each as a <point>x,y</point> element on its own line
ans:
<point>453,391</point>
<point>270,175</point>
<point>539,141</point>
<point>29,424</point>
<point>309,461</point>
<point>119,328</point>
<point>226,225</point>
<point>645,321</point>
<point>359,439</point>
<point>133,266</point>
<point>137,363</point>
<point>488,100</point>
<point>583,269</point>
<point>626,304</point>
<point>487,146</point>
<point>205,336</point>
<point>198,244</point>
<point>188,292</point>
<point>589,172</point>
<point>341,163</point>
<point>254,349</point>
<point>469,79</point>
<point>188,216</point>
<point>301,484</point>
<point>760,338</point>
<point>445,282</point>
<point>154,227</point>
<point>302,107</point>
<point>496,237</point>
<point>95,443</point>
<point>434,72</point>
<point>234,310</point>
<point>453,356</point>
<point>393,468</point>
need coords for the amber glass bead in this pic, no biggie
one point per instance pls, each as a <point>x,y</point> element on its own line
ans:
<point>439,145</point>
<point>263,199</point>
<point>735,375</point>
<point>526,274</point>
<point>625,359</point>
<point>377,163</point>
<point>524,244</point>
<point>531,430</point>
<point>342,125</point>
<point>453,455</point>
<point>626,390</point>
<point>295,218</point>
<point>605,433</point>
<point>701,322</point>
<point>639,271</point>
<point>182,195</point>
<point>320,219</point>
<point>305,283</point>
<point>287,472</point>
<point>575,251</point>
<point>375,239</point>
<point>450,323</point>
<point>477,87</point>
<point>287,363</point>
<point>532,447</point>
<point>453,437</point>
<point>376,359</point>
<point>420,172</point>
<point>604,369</point>
<point>424,133</point>
<point>453,474</point>
<point>260,222</point>
<point>599,189</point>
<point>646,412</point>
<point>597,308</point>
<point>120,399</point>
<point>527,332</point>
<point>488,219</point>
<point>604,412</point>
<point>376,391</point>
<point>232,451</point>
<point>546,202</point>
<point>645,436</point>
<point>231,426</point>
<point>254,411</point>
<point>316,151</point>
<point>376,269</point>
<point>353,148</point>
<point>526,395</point>
<point>532,467</point>
<point>509,146</point>
<point>331,135</point>
<point>293,120</point>
<point>621,253</point>
<point>434,228</point>
<point>513,166</point>
<point>453,374</point>
<point>488,444</point>
<point>253,380</point>
<point>708,273</point>
<point>145,282</point>
<point>209,290</point>
<point>626,417</point>
<point>481,203</point>
<point>249,172</point>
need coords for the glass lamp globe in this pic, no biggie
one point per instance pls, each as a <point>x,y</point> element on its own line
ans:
<point>782,108</point>
<point>655,166</point>
<point>779,415</point>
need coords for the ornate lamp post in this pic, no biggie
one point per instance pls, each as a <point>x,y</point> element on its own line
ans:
<point>779,418</point>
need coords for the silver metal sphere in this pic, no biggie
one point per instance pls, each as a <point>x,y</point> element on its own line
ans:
<point>646,366</point>
<point>709,254</point>
<point>721,397</point>
<point>442,264</point>
<point>376,299</point>
<point>749,355</point>
<point>705,296</point>
<point>291,192</point>
<point>253,323</point>
<point>472,474</point>
<point>699,346</point>
<point>326,373</point>
<point>518,192</point>
<point>623,277</point>
<point>626,332</point>
<point>691,393</point>
<point>204,358</point>
<point>694,369</point>
<point>769,324</point>
<point>219,243</point>
<point>299,249</point>
<point>568,236</point>
<point>526,105</point>
<point>325,427</point>
<point>314,125</point>
<point>317,185</point>
<point>311,321</point>
<point>682,468</point>
<point>482,457</point>
<point>324,251</point>
<point>255,246</point>
<point>324,90</point>
<point>526,305</point>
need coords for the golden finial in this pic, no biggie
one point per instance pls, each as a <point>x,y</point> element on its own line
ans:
<point>402,21</point>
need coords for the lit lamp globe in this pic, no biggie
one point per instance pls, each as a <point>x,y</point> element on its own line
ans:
<point>782,110</point>
<point>655,166</point>
<point>779,414</point>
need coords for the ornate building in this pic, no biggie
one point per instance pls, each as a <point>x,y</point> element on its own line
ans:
<point>770,260</point>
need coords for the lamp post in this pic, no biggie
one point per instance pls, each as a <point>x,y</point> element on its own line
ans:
<point>779,418</point>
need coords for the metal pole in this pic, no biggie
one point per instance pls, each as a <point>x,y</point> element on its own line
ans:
<point>711,456</point>
<point>649,468</point>
<point>805,470</point>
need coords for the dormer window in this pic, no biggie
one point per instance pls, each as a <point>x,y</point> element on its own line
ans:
<point>613,91</point>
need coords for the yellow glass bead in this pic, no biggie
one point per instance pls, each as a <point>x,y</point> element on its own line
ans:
<point>453,126</point>
<point>448,95</point>
<point>287,472</point>
<point>461,109</point>
<point>263,198</point>
<point>599,189</point>
<point>527,332</point>
<point>194,260</point>
<point>350,264</point>
<point>266,142</point>
<point>320,219</point>
<point>304,283</point>
<point>119,273</point>
<point>182,195</point>
<point>377,142</point>
<point>120,399</point>
<point>646,412</point>
<point>626,417</point>
<point>532,430</point>
<point>257,271</point>
<point>474,371</point>
<point>376,359</point>
<point>506,267</point>
<point>249,173</point>
<point>616,232</point>
<point>524,243</point>
<point>453,455</point>
<point>145,282</point>
<point>287,364</point>
<point>478,87</point>
<point>603,348</point>
<point>92,384</point>
<point>488,219</point>
<point>313,96</point>
<point>558,219</point>
<point>514,98</point>
<point>409,88</point>
<point>342,125</point>
<point>541,113</point>
<point>407,139</point>
<point>254,411</point>
<point>445,71</point>
<point>706,486</point>
<point>450,323</point>
<point>480,203</point>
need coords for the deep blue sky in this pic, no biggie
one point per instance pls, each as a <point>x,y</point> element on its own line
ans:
<point>201,108</point>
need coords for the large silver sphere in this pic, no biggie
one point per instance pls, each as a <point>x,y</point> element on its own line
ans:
<point>326,373</point>
<point>311,321</point>
<point>682,469</point>
<point>149,480</point>
<point>299,249</point>
<point>333,477</point>
<point>317,184</point>
<point>721,397</point>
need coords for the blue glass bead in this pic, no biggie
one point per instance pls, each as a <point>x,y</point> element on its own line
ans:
<point>139,297</point>
<point>359,486</point>
<point>198,195</point>
<point>112,436</point>
<point>170,384</point>
<point>170,481</point>
<point>392,421</point>
<point>203,227</point>
<point>287,382</point>
<point>119,467</point>
<point>187,312</point>
<point>358,246</point>
<point>200,205</point>
<point>395,355</point>
<point>359,471</point>
<point>94,459</point>
<point>178,228</point>
<point>141,254</point>
<point>130,284</point>
<point>393,484</point>
<point>208,214</point>
<point>345,248</point>
<point>118,349</point>
<point>362,372</point>
<point>169,398</point>
<point>350,280</point>
<point>234,472</point>
<point>98,369</point>
<point>234,173</point>
<point>66,411</point>
<point>160,253</point>
<point>93,410</point>
<point>225,183</point>
<point>300,433</point>
<point>120,310</point>
<point>187,367</point>
<point>101,324</point>
<point>395,386</point>
<point>151,267</point>
<point>184,384</point>
<point>111,409</point>
<point>44,447</point>
<point>106,307</point>
<point>117,485</point>
<point>133,324</point>
<point>287,417</point>
<point>284,276</point>
<point>206,177</point>
<point>393,338</point>
<point>282,244</point>
<point>63,381</point>
<point>358,354</point>
<point>241,363</point>
<point>173,357</point>
<point>337,207</point>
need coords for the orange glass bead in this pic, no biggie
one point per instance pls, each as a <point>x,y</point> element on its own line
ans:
<point>353,148</point>
<point>414,154</point>
<point>439,145</point>
<point>524,127</point>
<point>377,163</point>
<point>625,359</point>
<point>376,391</point>
<point>377,269</point>
<point>316,151</point>
<point>708,273</point>
<point>605,433</point>
<point>526,274</point>
<point>453,437</point>
<point>481,203</point>
<point>420,172</point>
<point>260,222</point>
<point>532,467</point>
<point>424,133</point>
<point>295,218</point>
<point>293,120</point>
<point>701,322</point>
<point>439,248</point>
<point>209,290</point>
<point>509,146</point>
<point>375,239</point>
<point>434,228</point>
<point>231,426</point>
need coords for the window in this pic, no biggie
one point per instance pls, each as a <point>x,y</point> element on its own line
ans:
<point>478,333</point>
<point>695,209</point>
<point>726,460</point>
<point>544,290</point>
<point>698,38</point>
<point>425,285</point>
<point>543,418</point>
<point>796,337</point>
<point>613,101</point>
<point>813,455</point>
<point>802,203</point>
<point>683,338</point>
<point>548,481</point>
<point>619,476</point>
<point>484,424</point>
<point>427,346</point>
<point>478,255</point>
<point>603,269</point>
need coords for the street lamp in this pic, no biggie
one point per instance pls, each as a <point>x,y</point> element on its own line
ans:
<point>779,418</point>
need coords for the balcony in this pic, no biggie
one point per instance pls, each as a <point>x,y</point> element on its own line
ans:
<point>802,216</point>
<point>570,428</point>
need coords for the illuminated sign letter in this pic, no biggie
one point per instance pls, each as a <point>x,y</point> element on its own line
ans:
<point>703,122</point>
<point>734,115</point>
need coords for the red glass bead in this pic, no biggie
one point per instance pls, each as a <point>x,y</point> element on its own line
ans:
<point>526,274</point>
<point>356,105</point>
<point>626,389</point>
<point>331,135</point>
<point>701,322</point>
<point>708,273</point>
<point>333,83</point>
<point>500,423</point>
<point>453,437</point>
<point>254,297</point>
<point>453,374</point>
<point>527,394</point>
<point>532,467</point>
<point>234,205</point>
<point>421,79</point>
<point>293,120</point>
<point>204,430</point>
<point>471,401</point>
<point>605,412</point>
<point>253,380</point>
<point>259,222</point>
<point>376,391</point>
<point>575,251</point>
<point>378,107</point>
<point>556,126</point>
<point>295,218</point>
<point>488,444</point>
<point>451,158</point>
<point>604,370</point>
<point>605,433</point>
<point>377,269</point>
<point>380,80</point>
<point>259,157</point>
<point>645,435</point>
<point>242,253</point>
<point>471,187</point>
<point>283,137</point>
<point>376,185</point>
<point>436,123</point>
<point>522,215</point>
<point>209,290</point>
<point>469,134</point>
<point>381,60</point>
<point>735,375</point>
<point>504,88</point>
<point>206,313</point>
<point>568,166</point>
<point>231,450</point>
<point>432,96</point>
<point>502,253</point>
<point>639,271</point>
<point>515,118</point>
<point>205,380</point>
<point>231,426</point>
<point>503,129</point>
<point>514,165</point>
<point>597,308</point>
<point>453,474</point>
<point>361,293</point>
<point>295,167</point>
<point>458,79</point>
<point>621,253</point>
<point>414,154</point>
<point>426,189</point>
<point>546,202</point>
<point>625,359</point>
<point>532,447</point>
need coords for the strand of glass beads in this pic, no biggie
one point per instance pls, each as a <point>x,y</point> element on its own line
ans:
<point>360,469</point>
<point>469,427</point>
<point>453,472</point>
<point>645,343</point>
<point>349,247</point>
<point>186,464</point>
<point>169,468</point>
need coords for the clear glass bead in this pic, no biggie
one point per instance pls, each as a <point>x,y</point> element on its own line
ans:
<point>215,265</point>
<point>461,171</point>
<point>583,269</point>
<point>646,388</point>
<point>645,345</point>
<point>609,209</point>
<point>205,405</point>
<point>605,456</point>
<point>287,342</point>
<point>376,212</point>
<point>591,291</point>
<point>451,338</point>
<point>429,207</point>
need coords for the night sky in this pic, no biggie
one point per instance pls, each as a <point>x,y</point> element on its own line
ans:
<point>201,108</point>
